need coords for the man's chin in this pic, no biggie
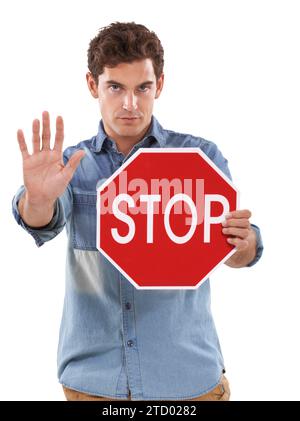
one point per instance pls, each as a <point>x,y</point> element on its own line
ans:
<point>129,132</point>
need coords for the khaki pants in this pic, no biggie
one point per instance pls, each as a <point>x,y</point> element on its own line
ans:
<point>220,393</point>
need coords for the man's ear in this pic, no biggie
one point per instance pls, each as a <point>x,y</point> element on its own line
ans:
<point>159,85</point>
<point>92,85</point>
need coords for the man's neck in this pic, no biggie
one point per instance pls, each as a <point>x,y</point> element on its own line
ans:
<point>125,145</point>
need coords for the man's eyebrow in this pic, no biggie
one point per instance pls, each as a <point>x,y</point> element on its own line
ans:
<point>114,82</point>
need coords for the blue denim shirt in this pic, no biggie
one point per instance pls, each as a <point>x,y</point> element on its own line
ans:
<point>159,344</point>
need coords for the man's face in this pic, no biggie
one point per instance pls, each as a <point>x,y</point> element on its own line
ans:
<point>126,96</point>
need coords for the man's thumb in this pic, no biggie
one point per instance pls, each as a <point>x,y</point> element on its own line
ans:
<point>73,162</point>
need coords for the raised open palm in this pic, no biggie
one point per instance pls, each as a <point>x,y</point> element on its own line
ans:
<point>45,175</point>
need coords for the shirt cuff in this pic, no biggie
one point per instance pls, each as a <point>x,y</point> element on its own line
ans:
<point>40,234</point>
<point>259,246</point>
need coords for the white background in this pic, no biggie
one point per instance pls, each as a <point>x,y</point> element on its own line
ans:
<point>232,76</point>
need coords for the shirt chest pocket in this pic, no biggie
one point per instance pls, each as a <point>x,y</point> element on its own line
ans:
<point>84,220</point>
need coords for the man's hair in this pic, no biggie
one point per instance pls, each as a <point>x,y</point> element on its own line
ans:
<point>122,42</point>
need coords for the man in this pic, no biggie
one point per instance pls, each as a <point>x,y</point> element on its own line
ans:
<point>118,342</point>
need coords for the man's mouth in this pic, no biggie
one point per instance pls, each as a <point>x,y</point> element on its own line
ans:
<point>129,118</point>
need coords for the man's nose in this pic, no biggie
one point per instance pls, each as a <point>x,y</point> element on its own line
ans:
<point>130,102</point>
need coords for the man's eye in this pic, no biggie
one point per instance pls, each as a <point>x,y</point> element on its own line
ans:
<point>114,88</point>
<point>143,88</point>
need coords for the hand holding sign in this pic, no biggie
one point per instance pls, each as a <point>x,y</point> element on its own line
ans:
<point>238,227</point>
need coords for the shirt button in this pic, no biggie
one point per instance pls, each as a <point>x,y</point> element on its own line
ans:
<point>130,343</point>
<point>128,306</point>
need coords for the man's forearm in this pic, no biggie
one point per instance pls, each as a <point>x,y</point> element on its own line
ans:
<point>244,257</point>
<point>36,216</point>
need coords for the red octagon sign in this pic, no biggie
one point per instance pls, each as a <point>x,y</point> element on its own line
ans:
<point>159,218</point>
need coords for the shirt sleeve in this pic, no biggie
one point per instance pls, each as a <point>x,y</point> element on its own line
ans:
<point>62,209</point>
<point>212,151</point>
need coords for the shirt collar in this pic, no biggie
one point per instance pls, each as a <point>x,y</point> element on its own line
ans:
<point>155,130</point>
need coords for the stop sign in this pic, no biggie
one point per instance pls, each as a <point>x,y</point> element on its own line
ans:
<point>159,217</point>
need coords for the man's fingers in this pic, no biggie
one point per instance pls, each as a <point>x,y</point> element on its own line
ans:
<point>36,136</point>
<point>236,232</point>
<point>73,163</point>
<point>46,131</point>
<point>238,243</point>
<point>59,135</point>
<point>240,223</point>
<point>22,144</point>
<point>241,213</point>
